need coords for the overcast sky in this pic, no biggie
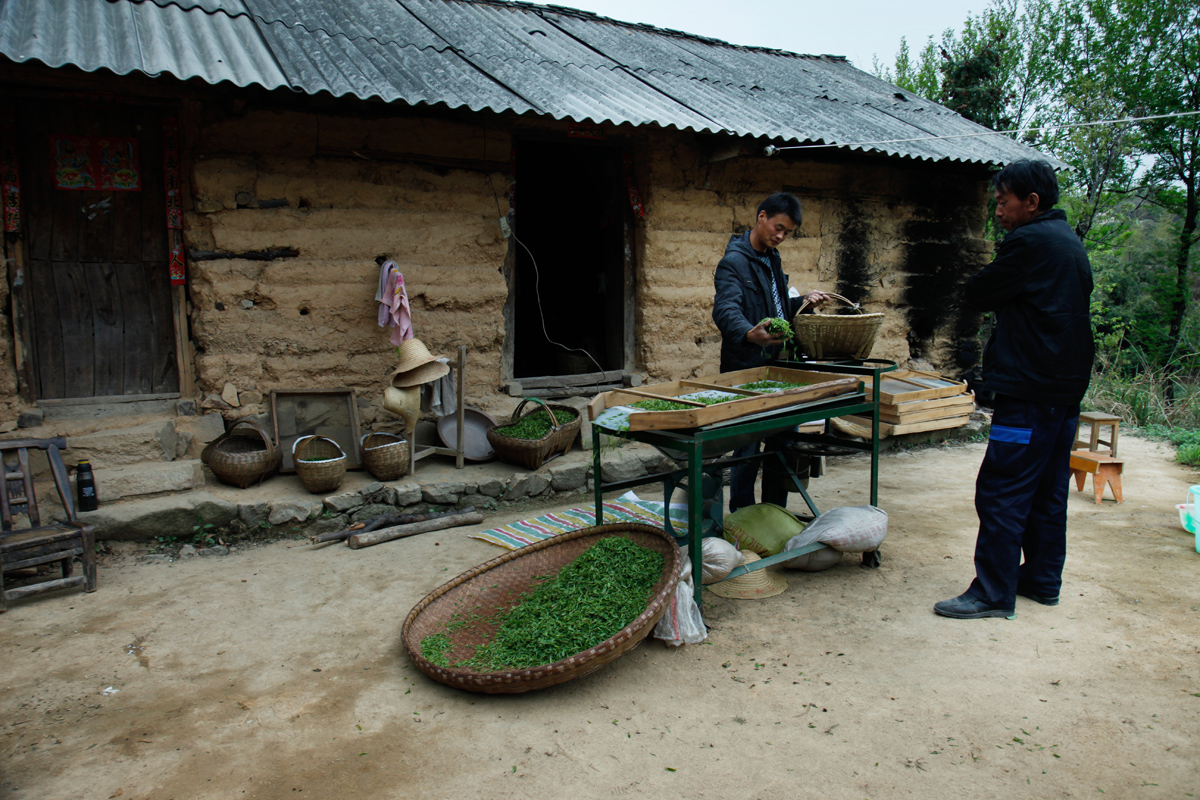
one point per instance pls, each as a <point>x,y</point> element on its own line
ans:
<point>856,29</point>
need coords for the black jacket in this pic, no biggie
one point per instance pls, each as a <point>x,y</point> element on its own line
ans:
<point>1039,285</point>
<point>743,299</point>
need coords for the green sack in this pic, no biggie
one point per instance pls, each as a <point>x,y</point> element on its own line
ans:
<point>764,528</point>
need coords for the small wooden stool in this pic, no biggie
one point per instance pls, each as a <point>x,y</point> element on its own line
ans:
<point>1097,420</point>
<point>1105,469</point>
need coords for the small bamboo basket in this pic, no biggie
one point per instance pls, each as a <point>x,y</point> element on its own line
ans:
<point>824,336</point>
<point>532,453</point>
<point>385,455</point>
<point>320,462</point>
<point>242,456</point>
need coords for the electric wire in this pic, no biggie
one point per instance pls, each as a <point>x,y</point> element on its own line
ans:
<point>772,149</point>
<point>537,277</point>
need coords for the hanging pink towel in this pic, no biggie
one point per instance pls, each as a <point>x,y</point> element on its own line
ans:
<point>393,307</point>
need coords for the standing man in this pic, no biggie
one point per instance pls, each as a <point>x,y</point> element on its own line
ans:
<point>750,287</point>
<point>1038,362</point>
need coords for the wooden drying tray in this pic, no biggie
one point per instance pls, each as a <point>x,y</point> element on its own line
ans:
<point>906,385</point>
<point>821,385</point>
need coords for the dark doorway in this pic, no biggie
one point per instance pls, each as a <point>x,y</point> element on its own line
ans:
<point>97,303</point>
<point>571,225</point>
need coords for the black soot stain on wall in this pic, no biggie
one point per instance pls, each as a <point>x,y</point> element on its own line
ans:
<point>939,253</point>
<point>854,274</point>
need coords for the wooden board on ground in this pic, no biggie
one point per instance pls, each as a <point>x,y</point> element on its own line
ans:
<point>889,429</point>
<point>818,386</point>
<point>906,385</point>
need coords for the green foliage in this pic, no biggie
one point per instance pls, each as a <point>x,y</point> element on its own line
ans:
<point>204,534</point>
<point>1060,71</point>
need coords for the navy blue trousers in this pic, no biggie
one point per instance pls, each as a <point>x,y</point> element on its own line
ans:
<point>1021,498</point>
<point>742,477</point>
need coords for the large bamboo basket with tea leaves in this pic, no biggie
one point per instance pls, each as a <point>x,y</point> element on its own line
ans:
<point>510,625</point>
<point>531,439</point>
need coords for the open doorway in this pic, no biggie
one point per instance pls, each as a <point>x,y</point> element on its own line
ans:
<point>572,223</point>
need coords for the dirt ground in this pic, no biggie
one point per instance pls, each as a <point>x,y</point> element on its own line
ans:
<point>277,672</point>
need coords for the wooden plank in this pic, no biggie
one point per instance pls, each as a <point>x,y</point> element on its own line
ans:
<point>564,381</point>
<point>889,429</point>
<point>138,346</point>
<point>164,374</point>
<point>75,321</point>
<point>47,331</point>
<point>925,405</point>
<point>108,328</point>
<point>650,396</point>
<point>933,413</point>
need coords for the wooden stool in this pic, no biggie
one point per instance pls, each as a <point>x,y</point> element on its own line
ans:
<point>1097,420</point>
<point>1105,469</point>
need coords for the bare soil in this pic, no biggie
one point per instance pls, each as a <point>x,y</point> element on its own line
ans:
<point>277,672</point>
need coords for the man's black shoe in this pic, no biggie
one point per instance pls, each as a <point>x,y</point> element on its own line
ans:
<point>965,606</point>
<point>1038,598</point>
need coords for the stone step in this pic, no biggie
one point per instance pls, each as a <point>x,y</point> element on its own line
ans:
<point>101,409</point>
<point>140,480</point>
<point>155,441</point>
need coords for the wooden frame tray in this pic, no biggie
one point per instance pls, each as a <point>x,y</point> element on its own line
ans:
<point>906,385</point>
<point>820,385</point>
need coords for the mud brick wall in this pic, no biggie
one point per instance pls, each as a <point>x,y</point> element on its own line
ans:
<point>898,237</point>
<point>267,180</point>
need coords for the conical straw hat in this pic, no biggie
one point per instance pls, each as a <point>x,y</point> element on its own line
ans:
<point>417,365</point>
<point>753,585</point>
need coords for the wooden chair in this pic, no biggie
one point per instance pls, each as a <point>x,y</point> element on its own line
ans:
<point>30,547</point>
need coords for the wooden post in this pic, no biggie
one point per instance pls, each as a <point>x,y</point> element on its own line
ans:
<point>399,531</point>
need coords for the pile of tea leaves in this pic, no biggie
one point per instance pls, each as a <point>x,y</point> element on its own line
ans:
<point>771,386</point>
<point>667,405</point>
<point>604,589</point>
<point>536,425</point>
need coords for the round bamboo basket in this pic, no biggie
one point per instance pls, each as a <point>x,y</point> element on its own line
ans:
<point>532,453</point>
<point>496,585</point>
<point>385,455</point>
<point>320,463</point>
<point>242,456</point>
<point>823,336</point>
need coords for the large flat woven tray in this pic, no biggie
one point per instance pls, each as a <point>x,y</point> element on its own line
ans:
<point>497,584</point>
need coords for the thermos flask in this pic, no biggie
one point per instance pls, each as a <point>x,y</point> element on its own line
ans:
<point>85,487</point>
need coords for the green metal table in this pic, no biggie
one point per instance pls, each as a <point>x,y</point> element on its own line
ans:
<point>701,448</point>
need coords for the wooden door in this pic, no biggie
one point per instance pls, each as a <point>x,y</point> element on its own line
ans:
<point>98,294</point>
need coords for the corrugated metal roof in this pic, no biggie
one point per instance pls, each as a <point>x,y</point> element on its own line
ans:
<point>498,56</point>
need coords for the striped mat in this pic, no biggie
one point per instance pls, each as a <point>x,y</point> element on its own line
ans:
<point>528,531</point>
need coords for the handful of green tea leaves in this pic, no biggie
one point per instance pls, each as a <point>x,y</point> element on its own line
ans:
<point>590,599</point>
<point>777,326</point>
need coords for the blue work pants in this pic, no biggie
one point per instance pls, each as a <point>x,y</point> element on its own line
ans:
<point>1021,498</point>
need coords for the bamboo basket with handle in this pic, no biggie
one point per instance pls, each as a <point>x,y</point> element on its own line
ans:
<point>320,462</point>
<point>243,455</point>
<point>532,453</point>
<point>823,336</point>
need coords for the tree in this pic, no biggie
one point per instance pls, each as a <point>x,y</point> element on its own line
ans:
<point>1154,66</point>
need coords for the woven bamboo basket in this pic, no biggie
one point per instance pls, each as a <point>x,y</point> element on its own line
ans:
<point>837,335</point>
<point>496,585</point>
<point>242,456</point>
<point>532,453</point>
<point>320,462</point>
<point>385,455</point>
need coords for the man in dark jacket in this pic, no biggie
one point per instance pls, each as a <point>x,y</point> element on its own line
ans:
<point>1038,362</point>
<point>750,288</point>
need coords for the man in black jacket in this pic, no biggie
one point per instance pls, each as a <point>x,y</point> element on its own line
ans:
<point>1038,362</point>
<point>750,288</point>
